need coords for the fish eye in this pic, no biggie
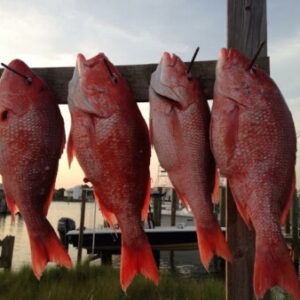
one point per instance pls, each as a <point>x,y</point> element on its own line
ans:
<point>42,88</point>
<point>4,115</point>
<point>253,70</point>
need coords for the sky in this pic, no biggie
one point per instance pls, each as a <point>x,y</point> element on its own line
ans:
<point>51,33</point>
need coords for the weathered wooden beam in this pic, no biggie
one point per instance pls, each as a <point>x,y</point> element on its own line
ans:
<point>138,77</point>
<point>246,28</point>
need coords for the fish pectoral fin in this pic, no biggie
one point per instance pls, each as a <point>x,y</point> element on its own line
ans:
<point>70,149</point>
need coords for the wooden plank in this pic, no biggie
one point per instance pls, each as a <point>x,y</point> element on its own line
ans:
<point>246,28</point>
<point>138,77</point>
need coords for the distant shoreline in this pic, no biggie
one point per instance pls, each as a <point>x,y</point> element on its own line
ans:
<point>70,201</point>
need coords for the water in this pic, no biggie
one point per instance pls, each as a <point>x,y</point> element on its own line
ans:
<point>57,210</point>
<point>187,263</point>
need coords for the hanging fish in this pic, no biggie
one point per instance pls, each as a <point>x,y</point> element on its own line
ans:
<point>179,130</point>
<point>32,139</point>
<point>254,142</point>
<point>111,142</point>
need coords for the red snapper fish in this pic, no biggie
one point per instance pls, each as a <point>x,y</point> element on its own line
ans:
<point>254,143</point>
<point>179,130</point>
<point>111,142</point>
<point>32,139</point>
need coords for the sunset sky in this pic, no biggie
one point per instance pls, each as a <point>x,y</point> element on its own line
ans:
<point>51,33</point>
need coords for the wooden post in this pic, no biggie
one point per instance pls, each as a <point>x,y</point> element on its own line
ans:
<point>173,207</point>
<point>222,206</point>
<point>246,28</point>
<point>82,215</point>
<point>7,251</point>
<point>295,214</point>
<point>287,225</point>
<point>106,258</point>
<point>173,223</point>
<point>157,207</point>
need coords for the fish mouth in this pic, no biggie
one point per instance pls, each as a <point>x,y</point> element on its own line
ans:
<point>169,60</point>
<point>82,62</point>
<point>163,91</point>
<point>165,97</point>
<point>223,55</point>
<point>159,87</point>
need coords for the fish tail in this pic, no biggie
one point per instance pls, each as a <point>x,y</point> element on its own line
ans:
<point>46,247</point>
<point>273,266</point>
<point>211,241</point>
<point>137,258</point>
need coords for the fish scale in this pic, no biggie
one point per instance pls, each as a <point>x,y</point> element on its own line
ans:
<point>31,138</point>
<point>179,130</point>
<point>254,143</point>
<point>111,142</point>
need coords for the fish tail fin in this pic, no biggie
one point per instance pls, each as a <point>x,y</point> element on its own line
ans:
<point>212,241</point>
<point>46,247</point>
<point>273,266</point>
<point>135,259</point>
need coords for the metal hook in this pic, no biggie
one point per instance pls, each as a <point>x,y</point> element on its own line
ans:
<point>112,75</point>
<point>256,55</point>
<point>27,78</point>
<point>191,63</point>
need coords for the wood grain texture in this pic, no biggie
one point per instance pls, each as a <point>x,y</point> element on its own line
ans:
<point>247,27</point>
<point>138,77</point>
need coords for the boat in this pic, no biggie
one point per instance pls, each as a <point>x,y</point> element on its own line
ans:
<point>160,238</point>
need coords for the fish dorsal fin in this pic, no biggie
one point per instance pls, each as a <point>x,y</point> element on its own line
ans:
<point>216,188</point>
<point>182,198</point>
<point>288,204</point>
<point>107,214</point>
<point>10,201</point>
<point>146,201</point>
<point>49,199</point>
